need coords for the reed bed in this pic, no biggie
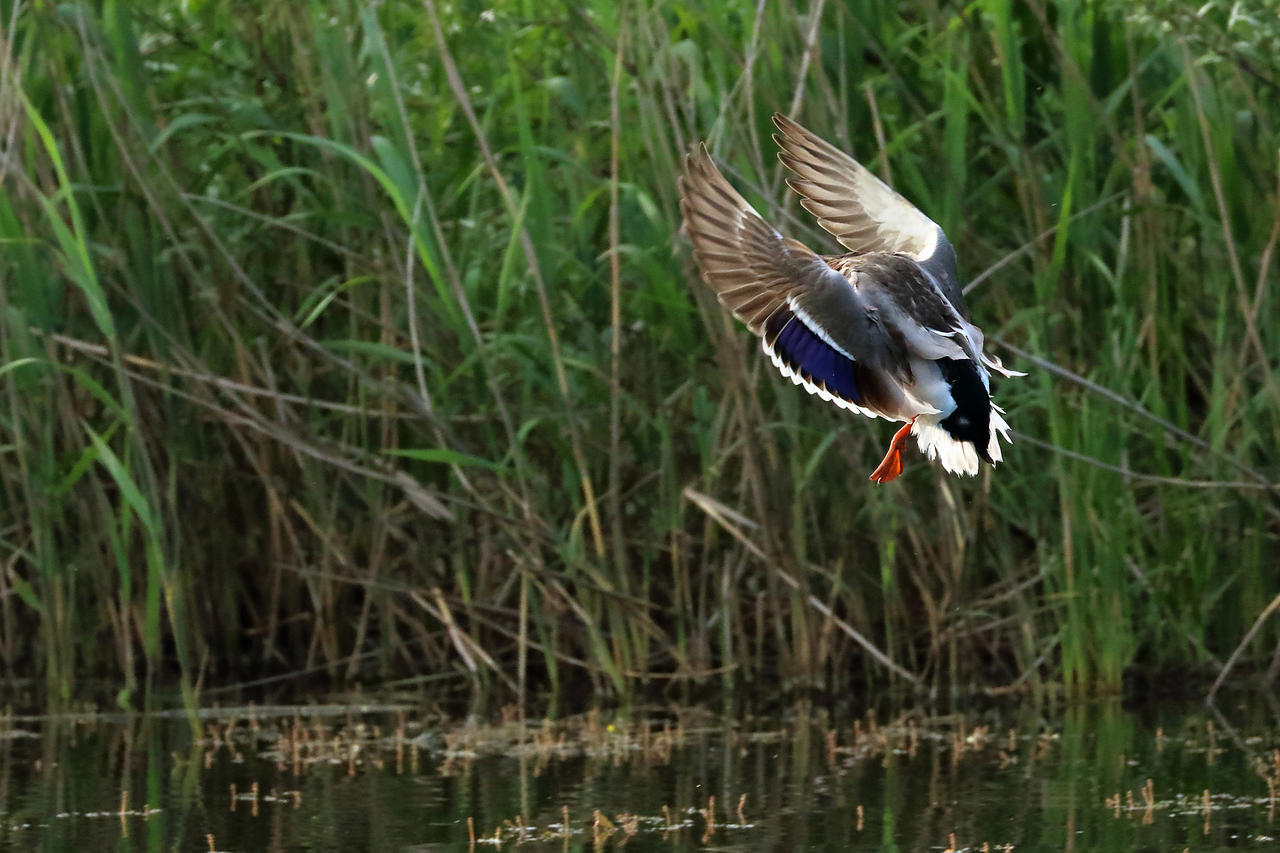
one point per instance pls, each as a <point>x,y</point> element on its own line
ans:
<point>350,344</point>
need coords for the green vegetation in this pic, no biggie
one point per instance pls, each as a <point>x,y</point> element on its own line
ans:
<point>361,344</point>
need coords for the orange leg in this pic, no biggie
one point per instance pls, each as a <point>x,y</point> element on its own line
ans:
<point>891,466</point>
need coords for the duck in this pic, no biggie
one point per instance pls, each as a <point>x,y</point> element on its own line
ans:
<point>882,329</point>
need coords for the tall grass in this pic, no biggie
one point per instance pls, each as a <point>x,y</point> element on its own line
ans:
<point>361,344</point>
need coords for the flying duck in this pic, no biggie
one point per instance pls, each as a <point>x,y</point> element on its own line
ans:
<point>881,330</point>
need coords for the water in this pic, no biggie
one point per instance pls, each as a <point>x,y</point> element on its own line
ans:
<point>398,779</point>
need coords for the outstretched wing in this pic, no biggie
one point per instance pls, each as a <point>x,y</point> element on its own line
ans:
<point>860,210</point>
<point>814,325</point>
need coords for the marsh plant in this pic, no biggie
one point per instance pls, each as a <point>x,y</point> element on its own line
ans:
<point>360,343</point>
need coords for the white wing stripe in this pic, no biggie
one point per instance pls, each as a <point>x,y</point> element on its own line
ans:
<point>816,327</point>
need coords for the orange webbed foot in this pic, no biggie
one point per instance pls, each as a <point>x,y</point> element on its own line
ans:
<point>891,466</point>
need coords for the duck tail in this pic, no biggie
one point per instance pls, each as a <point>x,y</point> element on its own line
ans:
<point>958,457</point>
<point>993,363</point>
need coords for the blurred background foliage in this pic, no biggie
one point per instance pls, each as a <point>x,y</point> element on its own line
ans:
<point>348,342</point>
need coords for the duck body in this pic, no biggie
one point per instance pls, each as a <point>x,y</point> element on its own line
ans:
<point>882,330</point>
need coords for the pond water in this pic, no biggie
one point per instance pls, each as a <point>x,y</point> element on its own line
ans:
<point>1093,777</point>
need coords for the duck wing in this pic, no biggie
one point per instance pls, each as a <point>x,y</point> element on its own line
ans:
<point>862,212</point>
<point>817,329</point>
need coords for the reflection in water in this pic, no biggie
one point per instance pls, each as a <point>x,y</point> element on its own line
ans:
<point>1093,778</point>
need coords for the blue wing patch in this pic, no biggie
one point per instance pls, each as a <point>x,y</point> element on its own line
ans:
<point>812,358</point>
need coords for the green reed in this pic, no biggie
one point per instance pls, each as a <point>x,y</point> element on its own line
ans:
<point>363,345</point>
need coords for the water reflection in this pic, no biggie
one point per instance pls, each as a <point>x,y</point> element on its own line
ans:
<point>1091,778</point>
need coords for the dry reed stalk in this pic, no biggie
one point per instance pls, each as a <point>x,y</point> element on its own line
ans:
<point>811,47</point>
<point>725,517</point>
<point>535,270</point>
<point>878,128</point>
<point>1249,635</point>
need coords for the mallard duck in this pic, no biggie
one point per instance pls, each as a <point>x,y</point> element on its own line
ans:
<point>882,330</point>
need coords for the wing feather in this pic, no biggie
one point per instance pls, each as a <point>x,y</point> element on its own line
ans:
<point>755,271</point>
<point>849,202</point>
